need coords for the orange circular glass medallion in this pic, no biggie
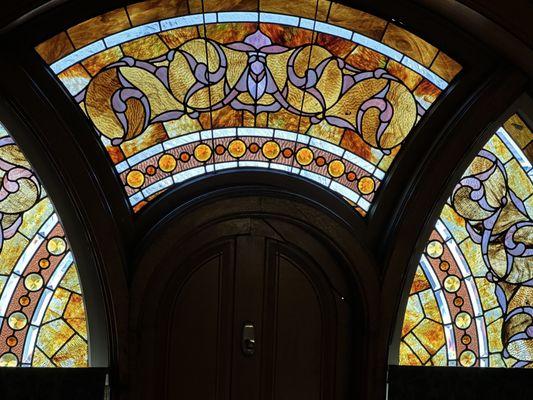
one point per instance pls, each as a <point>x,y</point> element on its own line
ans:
<point>11,341</point>
<point>44,263</point>
<point>150,170</point>
<point>271,149</point>
<point>287,152</point>
<point>237,148</point>
<point>185,156</point>
<point>135,179</point>
<point>458,301</point>
<point>254,147</point>
<point>336,168</point>
<point>167,163</point>
<point>366,185</point>
<point>444,266</point>
<point>202,152</point>
<point>304,156</point>
<point>466,339</point>
<point>351,176</point>
<point>24,301</point>
<point>320,161</point>
<point>220,149</point>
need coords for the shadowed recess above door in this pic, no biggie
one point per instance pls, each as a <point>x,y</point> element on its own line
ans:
<point>178,89</point>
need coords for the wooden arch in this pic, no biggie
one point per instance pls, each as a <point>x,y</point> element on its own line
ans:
<point>59,143</point>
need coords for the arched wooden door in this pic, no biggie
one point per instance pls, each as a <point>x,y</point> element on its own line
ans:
<point>250,308</point>
<point>253,318</point>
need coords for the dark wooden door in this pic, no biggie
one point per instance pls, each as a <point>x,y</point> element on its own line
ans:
<point>300,344</point>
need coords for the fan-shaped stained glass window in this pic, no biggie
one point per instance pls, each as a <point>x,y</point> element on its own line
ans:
<point>42,315</point>
<point>471,301</point>
<point>177,88</point>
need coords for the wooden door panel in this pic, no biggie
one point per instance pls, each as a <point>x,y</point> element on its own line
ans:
<point>299,335</point>
<point>192,351</point>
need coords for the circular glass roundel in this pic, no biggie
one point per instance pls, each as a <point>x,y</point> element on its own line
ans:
<point>467,358</point>
<point>202,152</point>
<point>434,249</point>
<point>444,266</point>
<point>466,340</point>
<point>452,284</point>
<point>167,163</point>
<point>463,320</point>
<point>33,282</point>
<point>366,185</point>
<point>24,301</point>
<point>135,178</point>
<point>12,341</point>
<point>56,246</point>
<point>304,156</point>
<point>271,149</point>
<point>237,148</point>
<point>17,321</point>
<point>336,168</point>
<point>8,360</point>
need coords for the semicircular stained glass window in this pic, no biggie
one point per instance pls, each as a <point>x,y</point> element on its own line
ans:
<point>42,314</point>
<point>176,89</point>
<point>471,300</point>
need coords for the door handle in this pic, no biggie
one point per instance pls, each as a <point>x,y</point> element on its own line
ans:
<point>248,339</point>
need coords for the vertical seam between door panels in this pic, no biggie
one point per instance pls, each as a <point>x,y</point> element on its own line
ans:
<point>232,308</point>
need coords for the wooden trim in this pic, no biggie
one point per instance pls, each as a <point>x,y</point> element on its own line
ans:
<point>406,383</point>
<point>53,383</point>
<point>60,143</point>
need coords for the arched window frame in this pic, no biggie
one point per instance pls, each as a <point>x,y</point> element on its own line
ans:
<point>523,108</point>
<point>62,201</point>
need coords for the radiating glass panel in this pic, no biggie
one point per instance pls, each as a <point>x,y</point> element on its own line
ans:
<point>42,315</point>
<point>478,265</point>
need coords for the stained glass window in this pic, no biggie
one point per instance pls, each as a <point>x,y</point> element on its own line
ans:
<point>177,89</point>
<point>42,315</point>
<point>471,300</point>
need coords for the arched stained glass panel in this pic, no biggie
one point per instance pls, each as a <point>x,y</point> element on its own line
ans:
<point>42,314</point>
<point>177,89</point>
<point>471,300</point>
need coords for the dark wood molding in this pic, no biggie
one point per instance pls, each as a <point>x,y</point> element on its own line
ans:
<point>514,16</point>
<point>407,383</point>
<point>53,383</point>
<point>107,237</point>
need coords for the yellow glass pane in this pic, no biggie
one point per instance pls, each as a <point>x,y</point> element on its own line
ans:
<point>72,354</point>
<point>53,335</point>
